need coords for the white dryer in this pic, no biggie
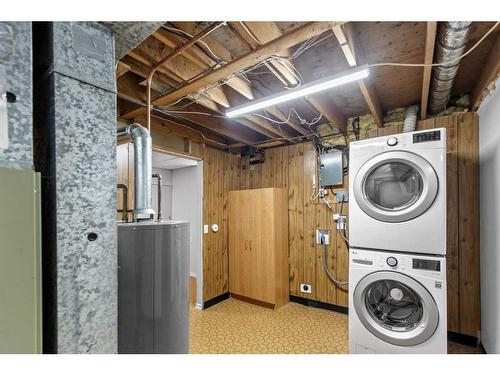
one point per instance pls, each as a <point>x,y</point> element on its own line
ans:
<point>397,303</point>
<point>397,190</point>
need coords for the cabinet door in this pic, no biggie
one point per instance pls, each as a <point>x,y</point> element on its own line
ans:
<point>261,249</point>
<point>239,206</point>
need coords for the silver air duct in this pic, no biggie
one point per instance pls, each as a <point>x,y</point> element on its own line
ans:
<point>410,119</point>
<point>143,167</point>
<point>451,42</point>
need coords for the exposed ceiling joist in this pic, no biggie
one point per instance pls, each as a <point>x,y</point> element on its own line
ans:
<point>198,57</point>
<point>329,110</point>
<point>250,59</point>
<point>430,40</point>
<point>267,31</point>
<point>259,126</point>
<point>354,55</point>
<point>280,116</point>
<point>121,69</point>
<point>489,74</point>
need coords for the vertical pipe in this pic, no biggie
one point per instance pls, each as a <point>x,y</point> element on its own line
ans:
<point>125,201</point>
<point>158,176</point>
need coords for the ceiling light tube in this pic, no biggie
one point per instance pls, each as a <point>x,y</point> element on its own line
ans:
<point>301,91</point>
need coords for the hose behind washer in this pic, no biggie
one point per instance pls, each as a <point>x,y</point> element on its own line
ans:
<point>325,267</point>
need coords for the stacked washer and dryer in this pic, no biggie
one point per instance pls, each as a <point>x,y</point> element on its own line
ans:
<point>397,240</point>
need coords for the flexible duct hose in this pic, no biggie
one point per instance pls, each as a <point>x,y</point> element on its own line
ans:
<point>325,267</point>
<point>410,119</point>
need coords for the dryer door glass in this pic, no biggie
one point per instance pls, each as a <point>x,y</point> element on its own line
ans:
<point>393,186</point>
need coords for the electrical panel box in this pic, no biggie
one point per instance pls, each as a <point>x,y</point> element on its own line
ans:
<point>331,169</point>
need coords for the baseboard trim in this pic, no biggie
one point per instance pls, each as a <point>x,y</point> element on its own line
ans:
<point>464,339</point>
<point>215,300</point>
<point>321,305</point>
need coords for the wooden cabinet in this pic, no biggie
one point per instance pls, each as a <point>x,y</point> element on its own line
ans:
<point>258,246</point>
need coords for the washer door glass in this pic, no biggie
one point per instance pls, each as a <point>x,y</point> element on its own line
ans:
<point>395,186</point>
<point>394,305</point>
<point>395,308</point>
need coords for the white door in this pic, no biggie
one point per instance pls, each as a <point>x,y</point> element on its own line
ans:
<point>395,186</point>
<point>396,308</point>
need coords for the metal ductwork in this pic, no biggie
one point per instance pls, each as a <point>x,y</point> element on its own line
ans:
<point>451,42</point>
<point>410,119</point>
<point>143,167</point>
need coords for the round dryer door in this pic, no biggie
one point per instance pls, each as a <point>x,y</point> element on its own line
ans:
<point>395,186</point>
<point>396,308</point>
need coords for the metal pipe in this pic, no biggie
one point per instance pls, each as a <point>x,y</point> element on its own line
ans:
<point>158,176</point>
<point>125,201</point>
<point>451,42</point>
<point>169,57</point>
<point>143,168</point>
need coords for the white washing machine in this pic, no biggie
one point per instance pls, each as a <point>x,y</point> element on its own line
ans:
<point>397,190</point>
<point>397,303</point>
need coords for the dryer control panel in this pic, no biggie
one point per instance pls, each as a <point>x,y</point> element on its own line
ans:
<point>430,136</point>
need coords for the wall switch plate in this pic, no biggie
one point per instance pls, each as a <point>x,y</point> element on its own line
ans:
<point>205,229</point>
<point>306,288</point>
<point>342,195</point>
<point>322,237</point>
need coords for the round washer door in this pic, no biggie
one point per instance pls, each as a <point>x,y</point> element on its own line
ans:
<point>395,186</point>
<point>396,308</point>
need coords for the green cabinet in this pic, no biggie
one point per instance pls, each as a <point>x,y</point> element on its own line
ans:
<point>20,262</point>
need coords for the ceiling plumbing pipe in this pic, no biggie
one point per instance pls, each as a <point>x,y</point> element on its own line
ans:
<point>143,168</point>
<point>169,57</point>
<point>410,119</point>
<point>158,176</point>
<point>451,42</point>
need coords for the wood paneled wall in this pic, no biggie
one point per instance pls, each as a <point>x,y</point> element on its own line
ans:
<point>292,167</point>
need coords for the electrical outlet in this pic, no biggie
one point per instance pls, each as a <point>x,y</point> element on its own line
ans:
<point>306,288</point>
<point>342,195</point>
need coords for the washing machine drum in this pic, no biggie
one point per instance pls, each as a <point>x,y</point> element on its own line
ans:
<point>395,186</point>
<point>396,308</point>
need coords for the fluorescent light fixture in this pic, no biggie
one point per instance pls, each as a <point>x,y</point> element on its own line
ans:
<point>304,90</point>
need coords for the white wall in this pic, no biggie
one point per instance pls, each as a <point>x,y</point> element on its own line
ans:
<point>166,193</point>
<point>489,156</point>
<point>187,200</point>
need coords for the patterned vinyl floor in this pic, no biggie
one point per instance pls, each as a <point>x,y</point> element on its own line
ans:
<point>233,326</point>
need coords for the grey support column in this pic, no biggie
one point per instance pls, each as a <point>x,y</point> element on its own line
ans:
<point>75,128</point>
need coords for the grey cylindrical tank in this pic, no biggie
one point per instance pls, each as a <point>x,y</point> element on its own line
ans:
<point>153,279</point>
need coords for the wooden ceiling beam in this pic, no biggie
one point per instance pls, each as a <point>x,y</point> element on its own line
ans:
<point>276,46</point>
<point>200,58</point>
<point>430,40</point>
<point>329,110</point>
<point>267,31</point>
<point>354,55</point>
<point>121,69</point>
<point>280,116</point>
<point>489,75</point>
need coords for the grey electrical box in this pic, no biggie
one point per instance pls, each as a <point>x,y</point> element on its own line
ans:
<point>331,168</point>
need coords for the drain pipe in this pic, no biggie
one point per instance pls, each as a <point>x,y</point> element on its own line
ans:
<point>158,176</point>
<point>451,42</point>
<point>143,168</point>
<point>410,119</point>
